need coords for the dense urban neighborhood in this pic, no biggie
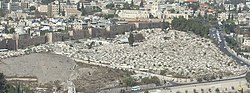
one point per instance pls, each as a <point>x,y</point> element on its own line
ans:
<point>124,46</point>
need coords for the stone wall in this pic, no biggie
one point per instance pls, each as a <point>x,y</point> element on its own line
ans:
<point>12,45</point>
<point>120,29</point>
<point>148,25</point>
<point>80,34</point>
<point>25,40</point>
<point>60,37</point>
<point>97,32</point>
<point>28,41</point>
<point>3,44</point>
<point>8,44</point>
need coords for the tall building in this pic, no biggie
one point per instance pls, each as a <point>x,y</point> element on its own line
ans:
<point>57,8</point>
<point>54,8</point>
<point>43,8</point>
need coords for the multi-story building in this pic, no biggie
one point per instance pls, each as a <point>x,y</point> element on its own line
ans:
<point>24,5</point>
<point>64,6</point>
<point>167,15</point>
<point>43,8</point>
<point>13,6</point>
<point>72,12</point>
<point>133,14</point>
<point>223,16</point>
<point>246,42</point>
<point>54,8</point>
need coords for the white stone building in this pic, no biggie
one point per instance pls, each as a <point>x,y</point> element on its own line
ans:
<point>133,14</point>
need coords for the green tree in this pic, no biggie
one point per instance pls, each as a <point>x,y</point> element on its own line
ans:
<point>194,6</point>
<point>10,18</point>
<point>129,81</point>
<point>165,25</point>
<point>229,16</point>
<point>2,14</point>
<point>199,15</point>
<point>5,30</point>
<point>217,90</point>
<point>32,8</point>
<point>108,16</point>
<point>60,30</point>
<point>232,17</point>
<point>37,14</point>
<point>235,8</point>
<point>72,17</point>
<point>146,91</point>
<point>126,6</point>
<point>206,15</point>
<point>172,11</point>
<point>245,8</point>
<point>3,83</point>
<point>132,3</point>
<point>151,80</point>
<point>239,10</point>
<point>78,6</point>
<point>131,39</point>
<point>110,6</point>
<point>84,12</point>
<point>122,91</point>
<point>230,27</point>
<point>136,7</point>
<point>195,25</point>
<point>63,13</point>
<point>26,89</point>
<point>248,77</point>
<point>155,80</point>
<point>141,3</point>
<point>12,30</point>
<point>151,15</point>
<point>97,9</point>
<point>11,89</point>
<point>232,43</point>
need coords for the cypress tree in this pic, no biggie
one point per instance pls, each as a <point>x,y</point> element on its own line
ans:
<point>132,3</point>
<point>2,83</point>
<point>141,4</point>
<point>131,39</point>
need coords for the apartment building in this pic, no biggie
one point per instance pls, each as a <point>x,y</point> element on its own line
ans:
<point>43,8</point>
<point>53,8</point>
<point>72,12</point>
<point>133,14</point>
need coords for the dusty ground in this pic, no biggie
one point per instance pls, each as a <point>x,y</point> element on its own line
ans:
<point>98,77</point>
<point>46,67</point>
<point>51,67</point>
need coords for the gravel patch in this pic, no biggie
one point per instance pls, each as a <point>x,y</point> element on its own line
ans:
<point>45,66</point>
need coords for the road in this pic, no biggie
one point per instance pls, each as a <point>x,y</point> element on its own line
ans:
<point>128,89</point>
<point>218,35</point>
<point>195,83</point>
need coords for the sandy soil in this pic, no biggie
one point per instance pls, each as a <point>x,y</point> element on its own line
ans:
<point>46,67</point>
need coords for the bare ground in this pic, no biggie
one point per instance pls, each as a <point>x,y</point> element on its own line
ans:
<point>49,68</point>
